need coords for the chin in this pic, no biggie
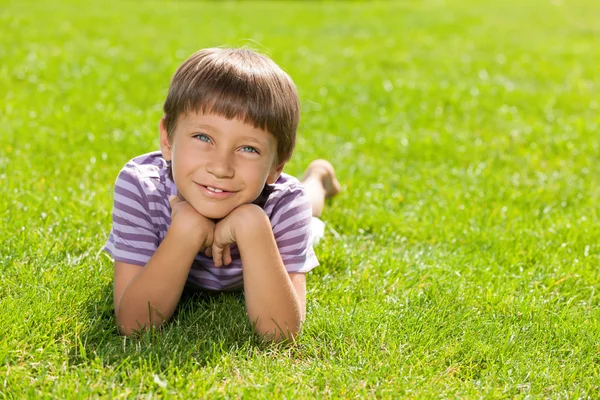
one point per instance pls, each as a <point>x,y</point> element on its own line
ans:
<point>213,212</point>
<point>215,215</point>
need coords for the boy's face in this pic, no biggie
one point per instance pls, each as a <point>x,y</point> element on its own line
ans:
<point>219,164</point>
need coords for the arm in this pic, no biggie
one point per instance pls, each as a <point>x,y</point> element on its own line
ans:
<point>275,299</point>
<point>148,295</point>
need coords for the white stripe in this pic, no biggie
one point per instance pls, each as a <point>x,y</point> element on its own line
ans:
<point>291,221</point>
<point>135,243</point>
<point>207,276</point>
<point>132,218</point>
<point>309,264</point>
<point>123,184</point>
<point>126,254</point>
<point>287,250</point>
<point>294,204</point>
<point>126,200</point>
<point>293,234</point>
<point>161,207</point>
<point>227,272</point>
<point>133,229</point>
<point>269,208</point>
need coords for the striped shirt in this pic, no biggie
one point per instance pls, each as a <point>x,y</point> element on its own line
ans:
<point>142,214</point>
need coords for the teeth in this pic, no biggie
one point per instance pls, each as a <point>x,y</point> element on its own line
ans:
<point>214,190</point>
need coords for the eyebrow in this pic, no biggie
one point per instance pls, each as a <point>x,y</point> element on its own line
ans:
<point>255,140</point>
<point>260,142</point>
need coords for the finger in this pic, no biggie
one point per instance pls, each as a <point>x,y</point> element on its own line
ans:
<point>227,255</point>
<point>217,254</point>
<point>210,237</point>
<point>208,252</point>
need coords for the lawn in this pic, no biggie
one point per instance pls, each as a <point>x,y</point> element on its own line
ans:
<point>461,259</point>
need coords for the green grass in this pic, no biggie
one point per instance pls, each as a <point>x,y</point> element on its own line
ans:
<point>462,258</point>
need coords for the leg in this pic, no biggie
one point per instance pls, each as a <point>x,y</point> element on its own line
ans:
<point>320,184</point>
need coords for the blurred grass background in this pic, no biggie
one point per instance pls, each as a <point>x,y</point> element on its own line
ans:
<point>461,258</point>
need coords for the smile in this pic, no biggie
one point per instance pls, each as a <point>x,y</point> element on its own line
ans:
<point>215,193</point>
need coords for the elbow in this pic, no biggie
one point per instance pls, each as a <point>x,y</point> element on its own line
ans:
<point>278,333</point>
<point>131,330</point>
<point>132,327</point>
<point>128,329</point>
<point>123,326</point>
<point>125,331</point>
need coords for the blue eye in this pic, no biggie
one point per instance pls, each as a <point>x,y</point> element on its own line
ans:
<point>202,137</point>
<point>249,149</point>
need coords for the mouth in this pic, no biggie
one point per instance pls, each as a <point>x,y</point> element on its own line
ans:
<point>215,192</point>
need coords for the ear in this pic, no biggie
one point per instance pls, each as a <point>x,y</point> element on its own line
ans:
<point>165,146</point>
<point>275,173</point>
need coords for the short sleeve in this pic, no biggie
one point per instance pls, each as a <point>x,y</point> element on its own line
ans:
<point>133,238</point>
<point>291,221</point>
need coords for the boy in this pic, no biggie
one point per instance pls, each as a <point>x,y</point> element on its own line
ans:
<point>212,209</point>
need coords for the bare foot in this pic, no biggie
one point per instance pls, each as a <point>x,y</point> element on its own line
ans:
<point>323,171</point>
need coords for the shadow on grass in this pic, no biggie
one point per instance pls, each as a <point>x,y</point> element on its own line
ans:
<point>204,328</point>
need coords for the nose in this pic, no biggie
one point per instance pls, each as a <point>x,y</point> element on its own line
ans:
<point>220,166</point>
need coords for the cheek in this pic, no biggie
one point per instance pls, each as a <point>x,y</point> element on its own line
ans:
<point>260,178</point>
<point>251,175</point>
<point>180,161</point>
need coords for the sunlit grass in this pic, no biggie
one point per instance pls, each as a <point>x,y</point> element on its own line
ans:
<point>461,259</point>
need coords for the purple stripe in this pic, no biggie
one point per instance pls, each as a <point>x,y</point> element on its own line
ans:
<point>201,262</point>
<point>212,285</point>
<point>268,209</point>
<point>120,258</point>
<point>159,214</point>
<point>129,261</point>
<point>284,201</point>
<point>126,220</point>
<point>126,208</point>
<point>157,199</point>
<point>294,260</point>
<point>201,258</point>
<point>230,271</point>
<point>134,250</point>
<point>161,207</point>
<point>300,247</point>
<point>299,225</point>
<point>294,211</point>
<point>129,194</point>
<point>127,175</point>
<point>137,237</point>
<point>195,276</point>
<point>146,157</point>
<point>285,233</point>
<point>160,227</point>
<point>231,275</point>
<point>291,241</point>
<point>129,228</point>
<point>219,282</point>
<point>118,219</point>
<point>297,209</point>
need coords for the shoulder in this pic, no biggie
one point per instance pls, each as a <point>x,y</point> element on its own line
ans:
<point>143,174</point>
<point>287,195</point>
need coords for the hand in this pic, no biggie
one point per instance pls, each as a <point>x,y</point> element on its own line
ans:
<point>225,232</point>
<point>190,224</point>
<point>223,238</point>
